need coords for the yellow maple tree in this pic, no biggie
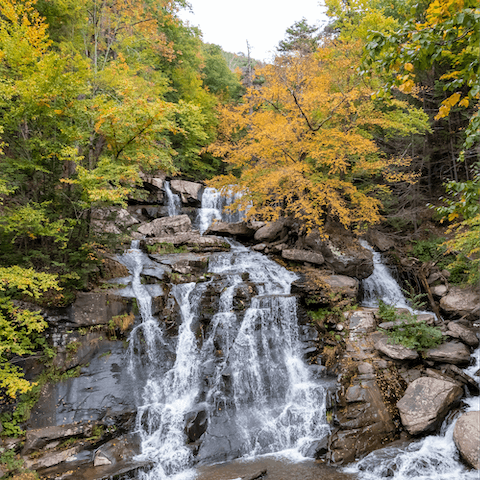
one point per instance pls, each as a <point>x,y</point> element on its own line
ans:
<point>304,144</point>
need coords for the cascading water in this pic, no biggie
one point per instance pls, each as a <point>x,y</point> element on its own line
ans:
<point>435,457</point>
<point>213,204</point>
<point>243,370</point>
<point>380,285</point>
<point>174,203</point>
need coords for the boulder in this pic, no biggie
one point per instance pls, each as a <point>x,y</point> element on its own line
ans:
<point>341,284</point>
<point>426,402</point>
<point>450,352</point>
<point>465,334</point>
<point>397,352</point>
<point>117,450</point>
<point>379,240</point>
<point>439,290</point>
<point>360,322</point>
<point>303,256</point>
<point>190,192</point>
<point>466,436</point>
<point>166,226</point>
<point>155,180</point>
<point>237,230</point>
<point>461,302</point>
<point>342,253</point>
<point>271,231</point>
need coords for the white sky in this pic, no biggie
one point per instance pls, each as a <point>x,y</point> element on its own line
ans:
<point>263,23</point>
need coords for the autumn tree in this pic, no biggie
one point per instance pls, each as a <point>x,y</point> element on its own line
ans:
<point>305,144</point>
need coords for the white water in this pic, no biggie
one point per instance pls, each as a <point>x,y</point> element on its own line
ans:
<point>174,203</point>
<point>213,204</point>
<point>380,285</point>
<point>259,395</point>
<point>435,457</point>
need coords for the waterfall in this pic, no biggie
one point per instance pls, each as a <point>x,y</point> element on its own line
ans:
<point>213,204</point>
<point>174,203</point>
<point>242,369</point>
<point>380,285</point>
<point>435,457</point>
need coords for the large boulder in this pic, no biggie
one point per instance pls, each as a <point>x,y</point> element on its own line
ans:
<point>465,334</point>
<point>342,253</point>
<point>450,352</point>
<point>426,402</point>
<point>303,256</point>
<point>379,240</point>
<point>271,231</point>
<point>192,241</point>
<point>166,226</point>
<point>462,302</point>
<point>237,229</point>
<point>190,192</point>
<point>466,436</point>
<point>342,285</point>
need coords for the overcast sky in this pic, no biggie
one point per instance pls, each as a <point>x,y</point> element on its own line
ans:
<point>263,23</point>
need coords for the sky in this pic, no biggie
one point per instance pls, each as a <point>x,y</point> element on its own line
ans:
<point>263,23</point>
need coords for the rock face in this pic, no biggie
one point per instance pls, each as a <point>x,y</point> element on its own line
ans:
<point>112,220</point>
<point>341,284</point>
<point>190,192</point>
<point>166,226</point>
<point>450,352</point>
<point>426,403</point>
<point>466,436</point>
<point>462,302</point>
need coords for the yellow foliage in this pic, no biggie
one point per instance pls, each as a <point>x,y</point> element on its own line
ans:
<point>303,137</point>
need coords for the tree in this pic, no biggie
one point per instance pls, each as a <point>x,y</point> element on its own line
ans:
<point>300,38</point>
<point>304,143</point>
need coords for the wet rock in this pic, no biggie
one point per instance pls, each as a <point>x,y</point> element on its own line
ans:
<point>341,284</point>
<point>450,352</point>
<point>426,403</point>
<point>166,226</point>
<point>411,375</point>
<point>196,424</point>
<point>462,302</point>
<point>466,436</point>
<point>255,476</point>
<point>260,247</point>
<point>190,192</point>
<point>397,352</point>
<point>117,450</point>
<point>271,231</point>
<point>239,230</point>
<point>103,391</point>
<point>465,334</point>
<point>303,256</point>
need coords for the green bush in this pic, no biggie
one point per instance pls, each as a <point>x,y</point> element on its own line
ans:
<point>409,332</point>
